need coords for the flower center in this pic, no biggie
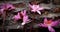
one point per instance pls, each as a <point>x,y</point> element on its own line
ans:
<point>48,22</point>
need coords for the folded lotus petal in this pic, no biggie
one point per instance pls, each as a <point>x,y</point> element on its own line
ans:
<point>40,8</point>
<point>54,23</point>
<point>42,25</point>
<point>51,29</point>
<point>16,17</point>
<point>23,12</point>
<point>30,5</point>
<point>45,20</point>
<point>33,10</point>
<point>25,20</point>
<point>10,5</point>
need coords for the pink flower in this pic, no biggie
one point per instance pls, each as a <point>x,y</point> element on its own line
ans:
<point>49,24</point>
<point>36,8</point>
<point>10,6</point>
<point>6,6</point>
<point>25,20</point>
<point>25,17</point>
<point>23,12</point>
<point>17,17</point>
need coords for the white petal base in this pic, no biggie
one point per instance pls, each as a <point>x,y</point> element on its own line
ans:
<point>39,12</point>
<point>23,24</point>
<point>51,29</point>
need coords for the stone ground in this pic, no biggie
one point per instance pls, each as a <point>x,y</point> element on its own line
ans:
<point>47,6</point>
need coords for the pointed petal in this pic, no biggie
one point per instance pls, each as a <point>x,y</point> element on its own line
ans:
<point>42,25</point>
<point>23,12</point>
<point>33,10</point>
<point>54,23</point>
<point>30,5</point>
<point>16,17</point>
<point>40,8</point>
<point>51,29</point>
<point>45,20</point>
<point>10,5</point>
<point>39,12</point>
<point>25,19</point>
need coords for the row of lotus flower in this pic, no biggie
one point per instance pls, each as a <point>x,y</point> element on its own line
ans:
<point>23,15</point>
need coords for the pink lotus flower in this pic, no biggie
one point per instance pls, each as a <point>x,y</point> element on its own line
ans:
<point>25,17</point>
<point>23,12</point>
<point>25,20</point>
<point>6,6</point>
<point>36,8</point>
<point>17,17</point>
<point>10,6</point>
<point>49,24</point>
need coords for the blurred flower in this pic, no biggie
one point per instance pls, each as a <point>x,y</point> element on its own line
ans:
<point>25,17</point>
<point>10,6</point>
<point>25,20</point>
<point>36,8</point>
<point>6,7</point>
<point>49,24</point>
<point>17,17</point>
<point>23,12</point>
